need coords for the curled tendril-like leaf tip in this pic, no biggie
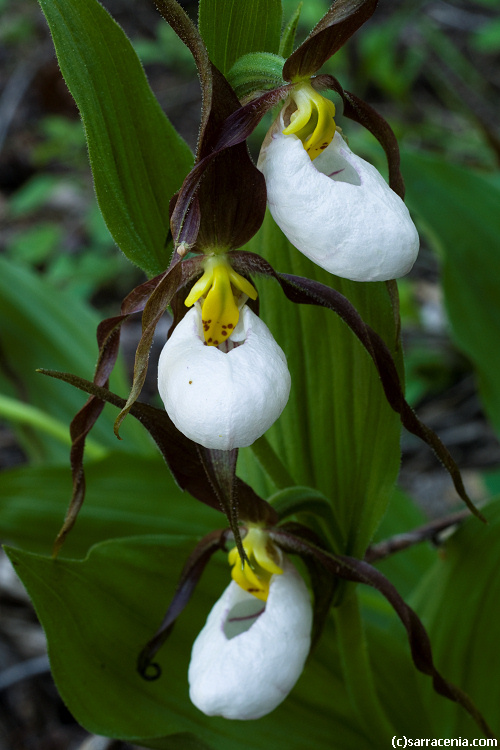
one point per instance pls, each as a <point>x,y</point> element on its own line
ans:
<point>148,670</point>
<point>118,422</point>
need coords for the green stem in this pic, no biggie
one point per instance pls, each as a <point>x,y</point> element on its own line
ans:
<point>272,463</point>
<point>357,670</point>
<point>21,413</point>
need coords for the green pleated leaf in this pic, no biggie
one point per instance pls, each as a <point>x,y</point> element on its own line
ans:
<point>459,208</point>
<point>397,681</point>
<point>337,433</point>
<point>41,328</point>
<point>231,28</point>
<point>127,495</point>
<point>459,602</point>
<point>99,612</point>
<point>387,640</point>
<point>138,159</point>
<point>117,593</point>
<point>300,290</point>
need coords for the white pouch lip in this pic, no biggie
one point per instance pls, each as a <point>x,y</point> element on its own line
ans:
<point>223,400</point>
<point>248,675</point>
<point>338,210</point>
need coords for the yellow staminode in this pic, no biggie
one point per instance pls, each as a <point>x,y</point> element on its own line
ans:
<point>220,286</point>
<point>313,121</point>
<point>264,558</point>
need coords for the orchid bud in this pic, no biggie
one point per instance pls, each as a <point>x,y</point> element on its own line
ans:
<point>224,395</point>
<point>332,205</point>
<point>252,649</point>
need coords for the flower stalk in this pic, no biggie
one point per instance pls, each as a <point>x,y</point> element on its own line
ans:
<point>357,669</point>
<point>272,463</point>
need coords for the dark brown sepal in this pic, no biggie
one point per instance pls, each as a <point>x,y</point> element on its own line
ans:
<point>241,124</point>
<point>232,199</point>
<point>296,539</point>
<point>153,310</point>
<point>108,340</point>
<point>191,574</point>
<point>223,203</point>
<point>225,194</point>
<point>185,222</point>
<point>338,24</point>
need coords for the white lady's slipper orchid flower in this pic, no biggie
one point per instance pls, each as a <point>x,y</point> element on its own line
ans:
<point>251,652</point>
<point>337,210</point>
<point>223,396</point>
